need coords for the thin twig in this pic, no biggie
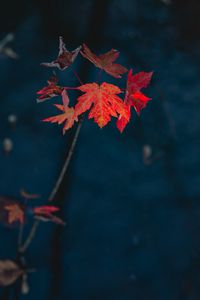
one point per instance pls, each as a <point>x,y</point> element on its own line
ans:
<point>20,235</point>
<point>35,225</point>
<point>30,237</point>
<point>76,75</point>
<point>66,164</point>
<point>70,88</point>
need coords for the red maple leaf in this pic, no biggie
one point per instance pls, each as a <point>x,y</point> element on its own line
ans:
<point>15,213</point>
<point>105,61</point>
<point>27,195</point>
<point>68,116</point>
<point>50,91</point>
<point>104,101</point>
<point>45,214</point>
<point>45,209</point>
<point>134,97</point>
<point>65,58</point>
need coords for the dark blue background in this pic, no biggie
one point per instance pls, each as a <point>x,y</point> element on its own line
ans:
<point>132,229</point>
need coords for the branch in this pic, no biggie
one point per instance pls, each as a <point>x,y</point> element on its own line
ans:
<point>55,189</point>
<point>66,164</point>
<point>30,237</point>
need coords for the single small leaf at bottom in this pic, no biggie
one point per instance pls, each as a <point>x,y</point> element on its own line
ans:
<point>9,272</point>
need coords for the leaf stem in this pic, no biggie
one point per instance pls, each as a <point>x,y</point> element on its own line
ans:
<point>70,88</point>
<point>99,75</point>
<point>76,75</point>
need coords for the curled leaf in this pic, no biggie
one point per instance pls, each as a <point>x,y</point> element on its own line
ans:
<point>9,272</point>
<point>65,58</point>
<point>45,210</point>
<point>50,218</point>
<point>105,61</point>
<point>27,195</point>
<point>49,91</point>
<point>45,214</point>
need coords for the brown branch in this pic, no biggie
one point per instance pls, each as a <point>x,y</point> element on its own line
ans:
<point>55,189</point>
<point>30,237</point>
<point>66,164</point>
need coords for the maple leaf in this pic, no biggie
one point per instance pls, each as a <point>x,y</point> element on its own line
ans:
<point>27,195</point>
<point>134,97</point>
<point>15,213</point>
<point>45,214</point>
<point>9,272</point>
<point>105,61</point>
<point>50,91</point>
<point>65,58</point>
<point>5,201</point>
<point>50,218</point>
<point>45,210</point>
<point>104,101</point>
<point>68,116</point>
<point>139,101</point>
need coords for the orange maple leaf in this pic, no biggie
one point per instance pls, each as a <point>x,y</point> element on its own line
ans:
<point>68,116</point>
<point>105,61</point>
<point>104,101</point>
<point>15,213</point>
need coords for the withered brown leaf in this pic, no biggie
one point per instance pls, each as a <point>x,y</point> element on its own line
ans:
<point>9,272</point>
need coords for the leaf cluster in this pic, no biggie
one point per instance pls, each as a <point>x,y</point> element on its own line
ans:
<point>103,101</point>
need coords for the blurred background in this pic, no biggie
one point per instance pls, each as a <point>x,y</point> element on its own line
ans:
<point>132,201</point>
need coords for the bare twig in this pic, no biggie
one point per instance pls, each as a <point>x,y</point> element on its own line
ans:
<point>66,164</point>
<point>36,223</point>
<point>30,237</point>
<point>20,235</point>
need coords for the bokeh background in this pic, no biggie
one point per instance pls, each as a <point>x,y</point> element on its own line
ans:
<point>132,201</point>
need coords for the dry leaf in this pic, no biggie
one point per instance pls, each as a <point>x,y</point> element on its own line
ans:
<point>9,272</point>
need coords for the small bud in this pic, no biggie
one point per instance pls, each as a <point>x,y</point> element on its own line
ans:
<point>12,119</point>
<point>9,52</point>
<point>25,285</point>
<point>147,153</point>
<point>7,145</point>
